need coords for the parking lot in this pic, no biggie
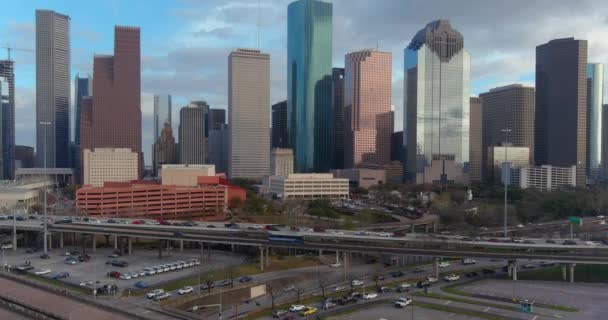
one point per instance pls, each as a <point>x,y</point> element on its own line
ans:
<point>97,270</point>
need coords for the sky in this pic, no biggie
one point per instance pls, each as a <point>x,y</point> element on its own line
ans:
<point>185,43</point>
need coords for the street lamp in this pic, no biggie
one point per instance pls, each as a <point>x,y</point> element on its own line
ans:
<point>45,124</point>
<point>506,131</point>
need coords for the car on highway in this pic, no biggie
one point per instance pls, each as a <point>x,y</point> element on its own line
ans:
<point>279,313</point>
<point>431,279</point>
<point>244,279</point>
<point>547,263</point>
<point>70,261</point>
<point>61,275</point>
<point>356,282</point>
<point>6,246</point>
<point>227,282</point>
<point>443,264</point>
<point>402,302</point>
<point>592,243</point>
<point>404,287</point>
<point>369,296</point>
<point>114,255</point>
<point>185,290</point>
<point>529,242</point>
<point>488,271</point>
<point>289,288</point>
<point>152,294</point>
<point>528,266</point>
<point>296,307</point>
<point>141,284</point>
<point>178,234</point>
<point>418,270</point>
<point>45,256</point>
<point>517,240</point>
<point>308,311</point>
<point>550,241</point>
<point>42,272</point>
<point>451,277</point>
<point>31,250</point>
<point>569,243</point>
<point>468,261</point>
<point>162,296</point>
<point>335,265</point>
<point>397,274</point>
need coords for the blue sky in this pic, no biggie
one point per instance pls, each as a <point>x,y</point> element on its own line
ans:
<point>185,43</point>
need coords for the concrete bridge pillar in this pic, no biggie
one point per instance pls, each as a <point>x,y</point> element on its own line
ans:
<point>262,258</point>
<point>61,240</point>
<point>14,240</point>
<point>413,228</point>
<point>94,243</point>
<point>571,267</point>
<point>564,274</point>
<point>436,268</point>
<point>115,242</point>
<point>181,245</point>
<point>426,228</point>
<point>130,245</point>
<point>50,242</point>
<point>435,227</point>
<point>514,272</point>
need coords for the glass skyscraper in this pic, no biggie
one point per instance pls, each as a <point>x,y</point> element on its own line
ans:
<point>436,106</point>
<point>595,100</point>
<point>309,84</point>
<point>162,113</point>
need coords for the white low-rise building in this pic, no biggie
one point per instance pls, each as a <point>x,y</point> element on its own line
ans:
<point>109,165</point>
<point>547,178</point>
<point>308,186</point>
<point>13,197</point>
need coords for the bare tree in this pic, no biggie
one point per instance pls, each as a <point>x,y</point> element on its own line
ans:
<point>274,292</point>
<point>231,276</point>
<point>323,284</point>
<point>299,290</point>
<point>351,278</point>
<point>209,284</point>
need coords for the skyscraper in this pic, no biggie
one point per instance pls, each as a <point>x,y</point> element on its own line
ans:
<point>218,148</point>
<point>192,123</point>
<point>367,108</point>
<point>248,102</point>
<point>82,88</point>
<point>337,100</point>
<point>111,118</point>
<point>475,141</point>
<point>279,125</point>
<point>509,107</point>
<point>605,142</point>
<point>7,120</point>
<point>309,74</point>
<point>561,105</point>
<point>216,119</point>
<point>436,123</point>
<point>595,101</point>
<point>52,89</point>
<point>162,113</point>
<point>164,150</point>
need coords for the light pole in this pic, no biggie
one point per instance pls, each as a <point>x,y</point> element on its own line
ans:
<point>45,124</point>
<point>504,165</point>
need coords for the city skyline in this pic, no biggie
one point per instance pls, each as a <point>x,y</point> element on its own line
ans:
<point>506,60</point>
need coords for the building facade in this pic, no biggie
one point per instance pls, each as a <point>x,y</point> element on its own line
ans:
<point>24,157</point>
<point>595,101</point>
<point>361,177</point>
<point>82,89</point>
<point>281,162</point>
<point>192,142</point>
<point>218,147</point>
<point>308,187</point>
<point>337,100</point>
<point>547,178</point>
<point>561,105</point>
<point>215,120</point>
<point>367,108</point>
<point>111,118</point>
<point>7,120</point>
<point>164,150</point>
<point>510,107</point>
<point>162,113</point>
<point>249,123</point>
<point>475,140</point>
<point>52,89</point>
<point>280,138</point>
<point>309,75</point>
<point>513,157</point>
<point>436,105</point>
<point>102,165</point>
<point>185,175</point>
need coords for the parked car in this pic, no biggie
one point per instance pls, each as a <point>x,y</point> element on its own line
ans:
<point>45,256</point>
<point>468,261</point>
<point>328,305</point>
<point>245,279</point>
<point>402,302</point>
<point>443,264</point>
<point>549,241</point>
<point>31,250</point>
<point>152,294</point>
<point>114,274</point>
<point>397,274</point>
<point>404,287</point>
<point>370,295</point>
<point>309,311</point>
<point>279,313</point>
<point>6,246</point>
<point>569,243</point>
<point>141,284</point>
<point>42,272</point>
<point>121,264</point>
<point>335,265</point>
<point>488,271</point>
<point>296,307</point>
<point>357,282</point>
<point>385,289</point>
<point>528,266</point>
<point>418,270</point>
<point>451,277</point>
<point>547,263</point>
<point>185,290</point>
<point>431,279</point>
<point>162,296</point>
<point>61,275</point>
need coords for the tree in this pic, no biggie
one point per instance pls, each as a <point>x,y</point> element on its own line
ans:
<point>209,283</point>
<point>274,292</point>
<point>323,284</point>
<point>299,291</point>
<point>231,276</point>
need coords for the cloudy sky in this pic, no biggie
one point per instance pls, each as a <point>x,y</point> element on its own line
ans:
<point>185,44</point>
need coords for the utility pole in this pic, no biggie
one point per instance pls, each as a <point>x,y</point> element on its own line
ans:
<point>504,170</point>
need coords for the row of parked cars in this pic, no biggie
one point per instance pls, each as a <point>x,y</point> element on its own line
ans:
<point>155,269</point>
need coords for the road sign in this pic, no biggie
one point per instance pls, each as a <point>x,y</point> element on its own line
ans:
<point>576,220</point>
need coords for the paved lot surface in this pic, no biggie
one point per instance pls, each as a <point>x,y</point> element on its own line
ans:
<point>96,268</point>
<point>590,299</point>
<point>389,312</point>
<point>68,308</point>
<point>7,314</point>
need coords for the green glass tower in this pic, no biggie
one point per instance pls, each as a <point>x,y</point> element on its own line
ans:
<point>309,84</point>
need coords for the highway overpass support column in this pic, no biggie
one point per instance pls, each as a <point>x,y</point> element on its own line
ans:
<point>181,245</point>
<point>571,267</point>
<point>94,242</point>
<point>436,268</point>
<point>564,273</point>
<point>50,242</point>
<point>61,240</point>
<point>514,272</point>
<point>262,258</point>
<point>130,245</point>
<point>15,240</point>
<point>115,242</point>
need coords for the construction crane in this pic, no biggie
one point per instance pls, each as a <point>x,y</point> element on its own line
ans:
<point>9,49</point>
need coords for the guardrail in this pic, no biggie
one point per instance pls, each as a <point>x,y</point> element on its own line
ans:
<point>27,310</point>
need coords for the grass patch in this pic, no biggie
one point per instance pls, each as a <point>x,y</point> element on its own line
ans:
<point>58,283</point>
<point>449,309</point>
<point>582,273</point>
<point>469,301</point>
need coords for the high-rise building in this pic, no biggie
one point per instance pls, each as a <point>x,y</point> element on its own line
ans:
<point>547,178</point>
<point>561,105</point>
<point>595,101</point>
<point>109,165</point>
<point>162,113</point>
<point>309,77</point>
<point>82,88</point>
<point>337,101</point>
<point>248,120</point>
<point>605,142</point>
<point>164,150</point>
<point>7,123</point>
<point>192,141</point>
<point>436,123</point>
<point>281,162</point>
<point>279,134</point>
<point>111,118</point>
<point>218,147</point>
<point>509,157</point>
<point>24,157</point>
<point>508,117</point>
<point>215,120</point>
<point>367,108</point>
<point>475,140</point>
<point>52,89</point>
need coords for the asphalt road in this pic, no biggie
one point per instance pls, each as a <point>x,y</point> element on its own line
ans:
<point>7,314</point>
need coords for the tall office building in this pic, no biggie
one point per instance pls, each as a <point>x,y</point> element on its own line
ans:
<point>605,142</point>
<point>52,89</point>
<point>397,150</point>
<point>7,120</point>
<point>561,105</point>
<point>367,108</point>
<point>82,88</point>
<point>111,118</point>
<point>218,147</point>
<point>215,120</point>
<point>309,74</point>
<point>24,157</point>
<point>192,141</point>
<point>248,102</point>
<point>337,101</point>
<point>163,150</point>
<point>508,117</point>
<point>279,134</point>
<point>436,123</point>
<point>595,100</point>
<point>475,140</point>
<point>162,113</point>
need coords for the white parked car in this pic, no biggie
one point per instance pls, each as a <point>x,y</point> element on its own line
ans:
<point>431,279</point>
<point>371,295</point>
<point>337,233</point>
<point>7,246</point>
<point>592,243</point>
<point>296,307</point>
<point>43,271</point>
<point>125,276</point>
<point>335,265</point>
<point>468,261</point>
<point>257,226</point>
<point>443,264</point>
<point>162,296</point>
<point>289,288</point>
<point>601,217</point>
<point>154,293</point>
<point>357,282</point>
<point>402,302</point>
<point>185,290</point>
<point>451,277</point>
